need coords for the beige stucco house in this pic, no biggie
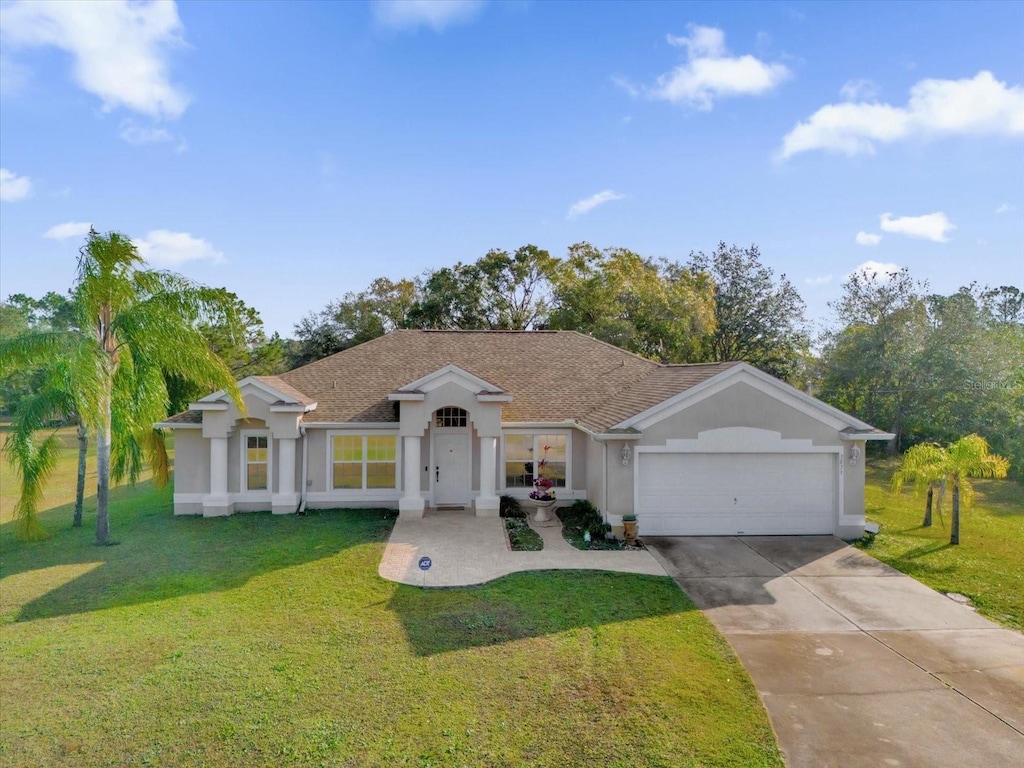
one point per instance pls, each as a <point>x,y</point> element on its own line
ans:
<point>422,419</point>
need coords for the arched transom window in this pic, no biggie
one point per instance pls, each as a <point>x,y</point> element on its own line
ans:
<point>450,416</point>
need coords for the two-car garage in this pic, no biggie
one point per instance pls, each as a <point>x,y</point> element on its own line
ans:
<point>727,494</point>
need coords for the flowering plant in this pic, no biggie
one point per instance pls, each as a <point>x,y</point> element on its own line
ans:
<point>542,490</point>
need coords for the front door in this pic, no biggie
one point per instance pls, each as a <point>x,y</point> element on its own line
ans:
<point>451,468</point>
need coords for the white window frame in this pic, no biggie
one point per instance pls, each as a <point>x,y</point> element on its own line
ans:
<point>536,433</point>
<point>243,481</point>
<point>363,433</point>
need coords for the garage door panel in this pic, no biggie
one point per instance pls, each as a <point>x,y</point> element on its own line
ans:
<point>705,494</point>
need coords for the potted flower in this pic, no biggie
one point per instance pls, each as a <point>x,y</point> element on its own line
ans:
<point>543,497</point>
<point>629,527</point>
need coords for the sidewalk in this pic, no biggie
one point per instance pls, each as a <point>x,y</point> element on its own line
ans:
<point>465,550</point>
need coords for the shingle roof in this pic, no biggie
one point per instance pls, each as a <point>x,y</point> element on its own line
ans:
<point>286,389</point>
<point>661,383</point>
<point>553,376</point>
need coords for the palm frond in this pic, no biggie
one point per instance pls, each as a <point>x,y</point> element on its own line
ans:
<point>34,463</point>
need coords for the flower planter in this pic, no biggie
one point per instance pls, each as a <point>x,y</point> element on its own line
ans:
<point>542,515</point>
<point>629,530</point>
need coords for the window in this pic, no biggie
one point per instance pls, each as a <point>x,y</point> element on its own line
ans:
<point>450,417</point>
<point>257,462</point>
<point>363,461</point>
<point>531,457</point>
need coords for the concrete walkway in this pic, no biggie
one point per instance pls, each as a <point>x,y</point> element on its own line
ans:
<point>858,665</point>
<point>465,549</point>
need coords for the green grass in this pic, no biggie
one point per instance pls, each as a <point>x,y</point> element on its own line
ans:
<point>521,537</point>
<point>987,565</point>
<point>270,641</point>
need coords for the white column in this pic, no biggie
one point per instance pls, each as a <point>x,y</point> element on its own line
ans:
<point>487,502</point>
<point>217,502</point>
<point>286,500</point>
<point>411,504</point>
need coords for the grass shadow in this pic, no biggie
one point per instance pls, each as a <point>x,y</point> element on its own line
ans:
<point>161,556</point>
<point>530,604</point>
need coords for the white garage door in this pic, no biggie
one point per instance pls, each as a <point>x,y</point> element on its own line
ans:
<point>728,494</point>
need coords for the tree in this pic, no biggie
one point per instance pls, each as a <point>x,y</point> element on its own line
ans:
<point>133,325</point>
<point>967,457</point>
<point>870,361</point>
<point>924,464</point>
<point>235,334</point>
<point>355,318</point>
<point>657,309</point>
<point>757,319</point>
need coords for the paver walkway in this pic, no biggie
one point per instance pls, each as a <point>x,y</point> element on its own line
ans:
<point>465,549</point>
<point>858,665</point>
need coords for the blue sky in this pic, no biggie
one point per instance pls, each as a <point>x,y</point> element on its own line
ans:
<point>295,151</point>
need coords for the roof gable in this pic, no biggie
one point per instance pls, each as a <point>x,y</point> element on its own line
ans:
<point>739,372</point>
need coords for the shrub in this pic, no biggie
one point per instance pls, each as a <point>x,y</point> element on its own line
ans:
<point>509,506</point>
<point>583,517</point>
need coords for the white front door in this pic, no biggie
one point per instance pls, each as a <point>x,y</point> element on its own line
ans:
<point>451,470</point>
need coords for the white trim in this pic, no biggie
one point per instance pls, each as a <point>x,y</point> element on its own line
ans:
<point>449,373</point>
<point>535,433</point>
<point>204,406</point>
<point>364,433</point>
<point>244,493</point>
<point>860,438</point>
<point>357,426</point>
<point>176,425</point>
<point>252,381</point>
<point>406,396</point>
<point>292,408</point>
<point>493,398</point>
<point>759,380</point>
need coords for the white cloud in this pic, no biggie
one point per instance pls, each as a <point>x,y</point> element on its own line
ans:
<point>590,203</point>
<point>710,73</point>
<point>859,90</point>
<point>171,249</point>
<point>68,230</point>
<point>436,14</point>
<point>977,106</point>
<point>1004,208</point>
<point>931,226</point>
<point>119,48</point>
<point>14,187</point>
<point>867,238</point>
<point>140,135</point>
<point>822,280</point>
<point>877,269</point>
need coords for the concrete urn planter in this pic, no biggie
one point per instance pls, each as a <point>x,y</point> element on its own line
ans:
<point>543,513</point>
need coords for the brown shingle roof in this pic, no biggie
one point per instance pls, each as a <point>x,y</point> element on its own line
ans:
<point>661,383</point>
<point>286,389</point>
<point>553,376</point>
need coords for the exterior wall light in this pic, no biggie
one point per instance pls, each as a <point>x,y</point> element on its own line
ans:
<point>854,454</point>
<point>626,453</point>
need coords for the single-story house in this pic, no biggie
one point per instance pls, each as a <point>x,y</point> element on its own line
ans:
<point>422,419</point>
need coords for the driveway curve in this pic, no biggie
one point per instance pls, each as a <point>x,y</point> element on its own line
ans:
<point>858,665</point>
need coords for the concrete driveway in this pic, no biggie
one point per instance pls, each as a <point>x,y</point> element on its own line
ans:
<point>857,664</point>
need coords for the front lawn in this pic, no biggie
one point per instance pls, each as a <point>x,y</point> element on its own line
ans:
<point>987,565</point>
<point>270,641</point>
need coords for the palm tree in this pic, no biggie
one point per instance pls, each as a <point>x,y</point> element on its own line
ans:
<point>135,326</point>
<point>967,457</point>
<point>925,465</point>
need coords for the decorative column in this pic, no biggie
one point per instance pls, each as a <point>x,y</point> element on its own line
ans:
<point>411,504</point>
<point>487,502</point>
<point>286,500</point>
<point>217,502</point>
